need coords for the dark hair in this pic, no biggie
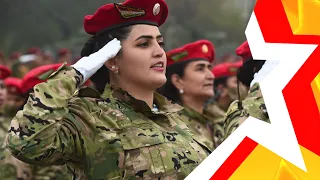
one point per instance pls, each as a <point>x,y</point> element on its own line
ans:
<point>25,96</point>
<point>249,68</point>
<point>220,80</point>
<point>95,43</point>
<point>168,89</point>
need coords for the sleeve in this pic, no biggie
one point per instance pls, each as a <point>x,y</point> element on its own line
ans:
<point>253,106</point>
<point>51,172</point>
<point>233,119</point>
<point>46,132</point>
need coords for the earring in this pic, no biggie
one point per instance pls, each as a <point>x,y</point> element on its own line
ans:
<point>181,91</point>
<point>113,68</point>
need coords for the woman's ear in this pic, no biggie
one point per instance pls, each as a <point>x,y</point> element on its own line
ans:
<point>177,81</point>
<point>110,63</point>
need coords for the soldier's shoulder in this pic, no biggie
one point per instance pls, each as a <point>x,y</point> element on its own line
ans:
<point>251,103</point>
<point>108,112</point>
<point>256,107</point>
<point>234,107</point>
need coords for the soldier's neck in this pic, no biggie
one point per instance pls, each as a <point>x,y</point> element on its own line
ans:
<point>193,103</point>
<point>140,93</point>
<point>224,102</point>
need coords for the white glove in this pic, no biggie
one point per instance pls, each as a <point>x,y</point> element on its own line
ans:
<point>87,66</point>
<point>266,68</point>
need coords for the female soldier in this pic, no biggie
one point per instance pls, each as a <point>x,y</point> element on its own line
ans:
<point>128,131</point>
<point>190,83</point>
<point>226,84</point>
<point>253,105</point>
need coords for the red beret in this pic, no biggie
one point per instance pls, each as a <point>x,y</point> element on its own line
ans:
<point>109,16</point>
<point>202,49</point>
<point>4,72</point>
<point>34,50</point>
<point>238,63</point>
<point>63,51</point>
<point>244,51</point>
<point>14,85</point>
<point>38,75</point>
<point>15,55</point>
<point>226,69</point>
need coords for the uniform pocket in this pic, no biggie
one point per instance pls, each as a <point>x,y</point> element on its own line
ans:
<point>147,155</point>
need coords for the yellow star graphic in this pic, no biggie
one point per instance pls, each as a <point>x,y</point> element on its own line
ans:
<point>263,164</point>
<point>285,172</point>
<point>303,16</point>
<point>291,9</point>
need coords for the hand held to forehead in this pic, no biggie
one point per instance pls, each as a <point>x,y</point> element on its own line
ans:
<point>87,66</point>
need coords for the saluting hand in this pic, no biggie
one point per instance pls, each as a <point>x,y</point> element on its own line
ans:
<point>87,66</point>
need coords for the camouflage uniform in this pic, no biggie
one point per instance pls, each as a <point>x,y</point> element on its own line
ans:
<point>216,115</point>
<point>200,125</point>
<point>12,168</point>
<point>253,106</point>
<point>108,136</point>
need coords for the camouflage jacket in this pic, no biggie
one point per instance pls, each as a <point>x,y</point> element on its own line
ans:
<point>12,168</point>
<point>108,136</point>
<point>253,105</point>
<point>200,125</point>
<point>216,116</point>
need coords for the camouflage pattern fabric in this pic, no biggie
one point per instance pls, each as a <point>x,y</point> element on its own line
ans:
<point>199,125</point>
<point>253,105</point>
<point>12,168</point>
<point>108,136</point>
<point>216,116</point>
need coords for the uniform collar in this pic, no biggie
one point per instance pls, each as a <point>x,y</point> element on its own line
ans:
<point>164,105</point>
<point>214,111</point>
<point>203,119</point>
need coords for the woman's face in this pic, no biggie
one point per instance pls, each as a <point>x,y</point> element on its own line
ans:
<point>142,62</point>
<point>198,80</point>
<point>14,100</point>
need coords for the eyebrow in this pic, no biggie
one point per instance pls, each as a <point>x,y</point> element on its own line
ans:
<point>148,37</point>
<point>203,65</point>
